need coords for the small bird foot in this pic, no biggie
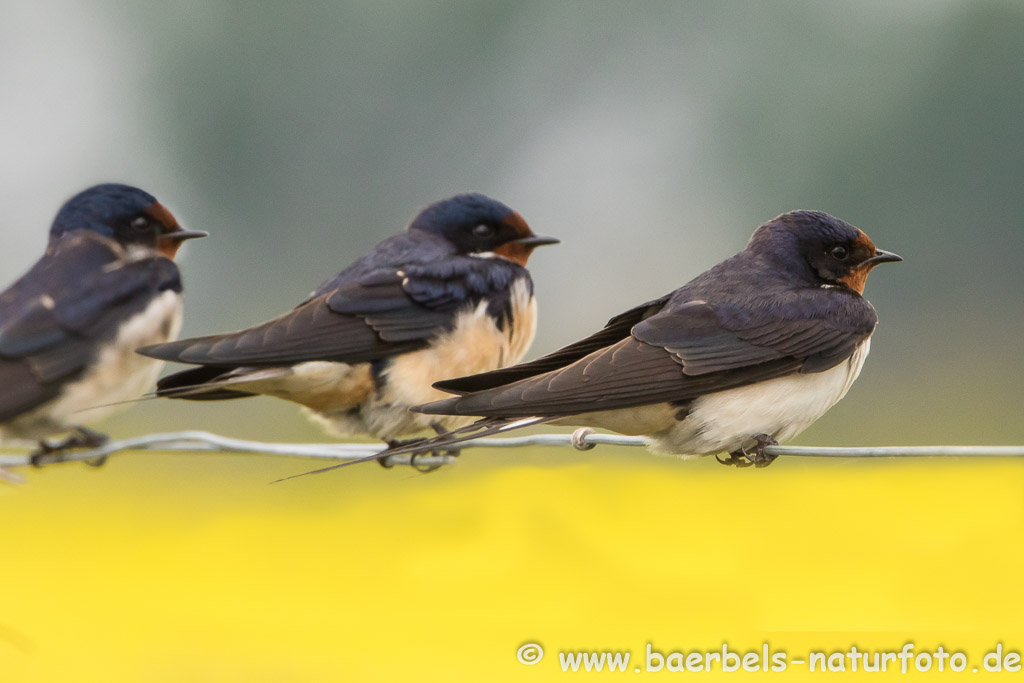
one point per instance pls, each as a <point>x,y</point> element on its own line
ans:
<point>743,458</point>
<point>83,438</point>
<point>93,439</point>
<point>759,458</point>
<point>424,468</point>
<point>454,451</point>
<point>385,460</point>
<point>735,459</point>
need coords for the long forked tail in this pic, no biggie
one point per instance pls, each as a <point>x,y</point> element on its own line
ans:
<point>203,383</point>
<point>488,426</point>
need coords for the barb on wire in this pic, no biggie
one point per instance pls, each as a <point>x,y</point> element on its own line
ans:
<point>581,439</point>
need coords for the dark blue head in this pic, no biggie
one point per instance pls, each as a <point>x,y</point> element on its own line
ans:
<point>819,246</point>
<point>123,213</point>
<point>476,224</point>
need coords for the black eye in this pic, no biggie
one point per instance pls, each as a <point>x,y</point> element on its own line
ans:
<point>483,230</point>
<point>140,224</point>
<point>839,253</point>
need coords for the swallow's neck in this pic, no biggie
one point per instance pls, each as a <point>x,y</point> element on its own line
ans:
<point>500,253</point>
<point>138,252</point>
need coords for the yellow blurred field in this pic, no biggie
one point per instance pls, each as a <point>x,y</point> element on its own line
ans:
<point>191,568</point>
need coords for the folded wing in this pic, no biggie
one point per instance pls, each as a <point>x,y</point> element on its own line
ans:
<point>367,317</point>
<point>55,318</point>
<point>685,350</point>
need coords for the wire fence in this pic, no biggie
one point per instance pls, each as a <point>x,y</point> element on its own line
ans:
<point>581,439</point>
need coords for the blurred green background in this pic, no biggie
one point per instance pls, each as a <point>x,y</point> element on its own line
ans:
<point>653,138</point>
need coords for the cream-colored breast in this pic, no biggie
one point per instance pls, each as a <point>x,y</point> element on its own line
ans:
<point>475,344</point>
<point>117,374</point>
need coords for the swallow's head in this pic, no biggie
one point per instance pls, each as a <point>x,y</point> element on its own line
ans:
<point>820,247</point>
<point>479,225</point>
<point>127,214</point>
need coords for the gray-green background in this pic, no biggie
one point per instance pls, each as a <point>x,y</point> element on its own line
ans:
<point>652,137</point>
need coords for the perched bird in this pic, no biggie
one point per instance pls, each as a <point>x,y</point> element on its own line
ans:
<point>748,353</point>
<point>69,327</point>
<point>449,296</point>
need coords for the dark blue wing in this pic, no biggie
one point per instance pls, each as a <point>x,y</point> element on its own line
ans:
<point>687,349</point>
<point>819,327</point>
<point>369,314</point>
<point>54,319</point>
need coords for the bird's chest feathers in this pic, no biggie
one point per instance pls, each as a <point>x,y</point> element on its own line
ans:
<point>118,373</point>
<point>782,408</point>
<point>349,401</point>
<point>475,344</point>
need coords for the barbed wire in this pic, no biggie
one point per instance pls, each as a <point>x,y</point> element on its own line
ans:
<point>582,439</point>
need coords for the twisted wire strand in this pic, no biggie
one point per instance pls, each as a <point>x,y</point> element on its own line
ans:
<point>581,439</point>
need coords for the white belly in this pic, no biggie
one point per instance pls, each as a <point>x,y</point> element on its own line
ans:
<point>118,374</point>
<point>726,421</point>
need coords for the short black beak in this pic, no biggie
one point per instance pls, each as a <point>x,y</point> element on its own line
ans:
<point>537,240</point>
<point>882,256</point>
<point>182,235</point>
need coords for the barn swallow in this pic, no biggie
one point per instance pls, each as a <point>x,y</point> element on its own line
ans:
<point>69,327</point>
<point>750,352</point>
<point>449,296</point>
